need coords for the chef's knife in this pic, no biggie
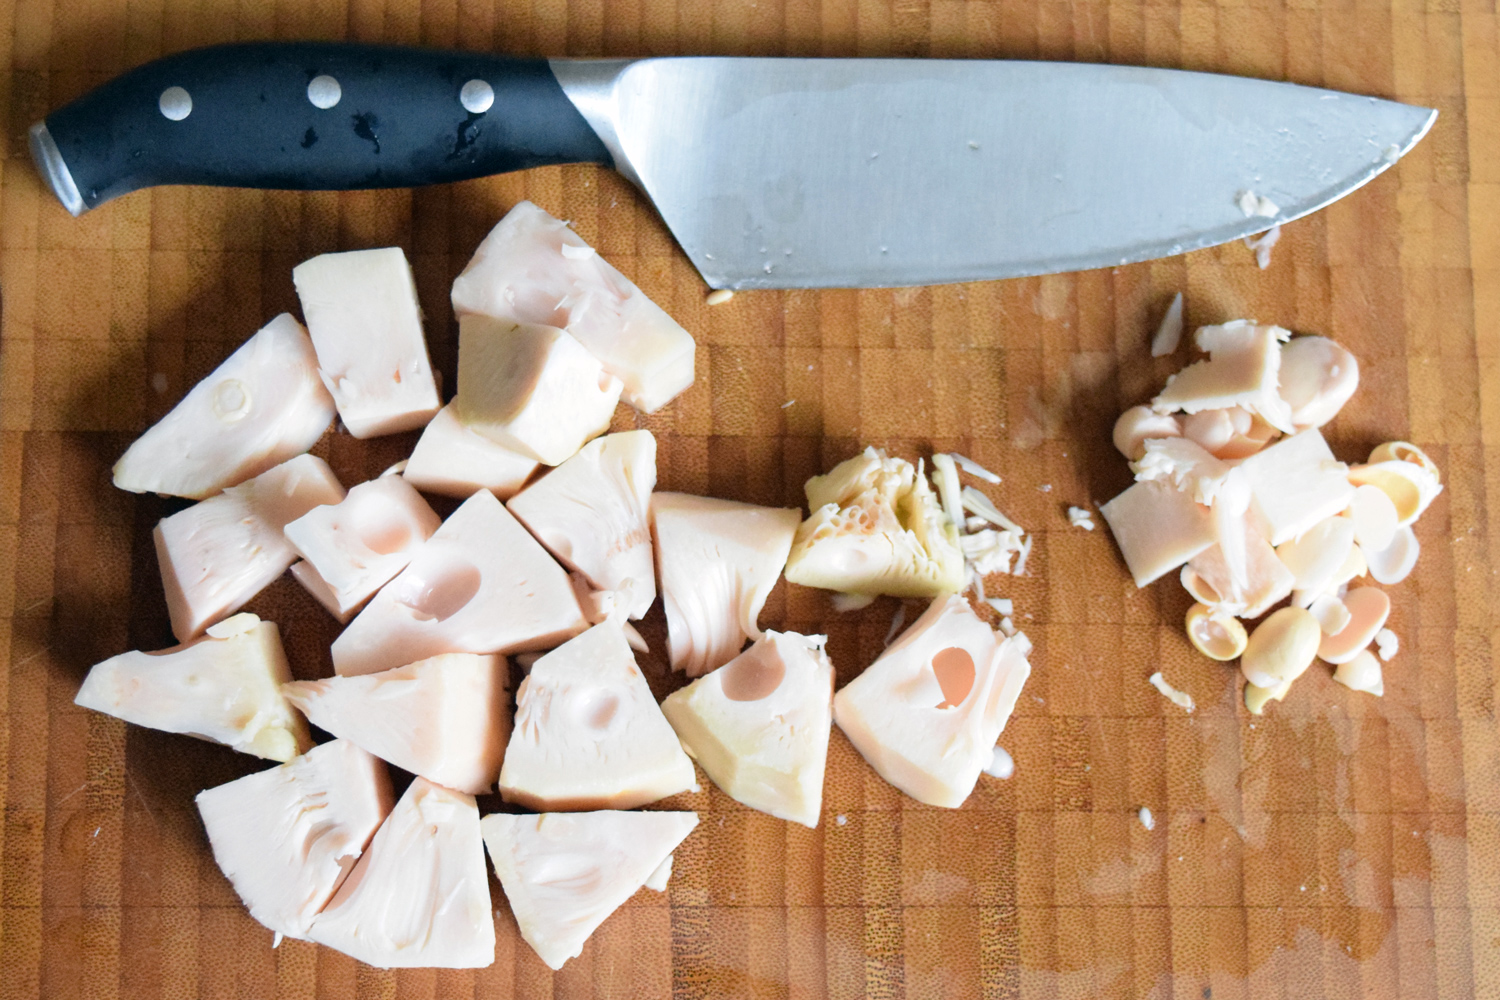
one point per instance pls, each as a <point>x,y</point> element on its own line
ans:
<point>771,173</point>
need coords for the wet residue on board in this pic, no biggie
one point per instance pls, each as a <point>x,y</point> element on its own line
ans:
<point>310,139</point>
<point>468,135</point>
<point>1049,408</point>
<point>365,124</point>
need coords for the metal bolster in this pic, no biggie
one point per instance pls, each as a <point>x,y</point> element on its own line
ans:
<point>49,163</point>
<point>590,85</point>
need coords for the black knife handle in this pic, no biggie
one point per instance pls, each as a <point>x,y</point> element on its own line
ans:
<point>402,118</point>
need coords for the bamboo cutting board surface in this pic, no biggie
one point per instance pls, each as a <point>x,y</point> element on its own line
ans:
<point>1341,846</point>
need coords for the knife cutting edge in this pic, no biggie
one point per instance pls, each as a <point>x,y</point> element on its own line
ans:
<point>771,173</point>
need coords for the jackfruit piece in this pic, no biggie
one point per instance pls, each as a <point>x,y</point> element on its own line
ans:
<point>1267,578</point>
<point>302,571</point>
<point>876,528</point>
<point>1296,483</point>
<point>1317,377</point>
<point>358,544</point>
<point>1317,557</point>
<point>419,897</point>
<point>480,584</point>
<point>589,733</point>
<point>1410,484</point>
<point>926,714</point>
<point>593,513</point>
<point>218,554</point>
<point>1158,528</point>
<point>717,561</point>
<point>565,873</point>
<point>1241,370</point>
<point>532,389</point>
<point>532,268</point>
<point>361,309</point>
<point>453,461</point>
<point>759,725</point>
<point>262,406</point>
<point>446,718</point>
<point>285,838</point>
<point>1185,464</point>
<point>224,688</point>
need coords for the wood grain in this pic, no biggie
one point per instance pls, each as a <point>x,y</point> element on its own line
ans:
<point>1341,846</point>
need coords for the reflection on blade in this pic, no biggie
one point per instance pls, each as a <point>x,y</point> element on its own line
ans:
<point>794,173</point>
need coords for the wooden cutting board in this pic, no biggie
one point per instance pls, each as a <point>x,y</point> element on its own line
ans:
<point>1339,846</point>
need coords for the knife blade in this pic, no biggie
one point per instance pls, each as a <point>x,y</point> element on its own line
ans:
<point>771,173</point>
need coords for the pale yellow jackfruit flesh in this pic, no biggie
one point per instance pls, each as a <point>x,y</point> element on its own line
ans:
<point>366,325</point>
<point>1410,485</point>
<point>303,572</point>
<point>358,544</point>
<point>1317,377</point>
<point>926,714</point>
<point>263,405</point>
<point>225,690</point>
<point>759,725</point>
<point>876,528</point>
<point>453,461</point>
<point>480,584</point>
<point>589,733</point>
<point>446,718</point>
<point>219,553</point>
<point>1158,528</point>
<point>593,513</point>
<point>287,837</point>
<point>419,897</point>
<point>532,389</point>
<point>1296,483</point>
<point>565,873</point>
<point>1267,578</point>
<point>532,268</point>
<point>1241,370</point>
<point>717,561</point>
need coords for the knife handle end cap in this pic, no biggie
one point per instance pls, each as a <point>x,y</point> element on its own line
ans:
<point>49,163</point>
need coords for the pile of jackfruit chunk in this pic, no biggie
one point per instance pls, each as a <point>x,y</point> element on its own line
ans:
<point>1236,486</point>
<point>561,541</point>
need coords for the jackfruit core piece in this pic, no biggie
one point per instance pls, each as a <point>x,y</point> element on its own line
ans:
<point>589,733</point>
<point>759,724</point>
<point>286,838</point>
<point>717,561</point>
<point>264,405</point>
<point>565,873</point>
<point>876,528</point>
<point>419,896</point>
<point>593,513</point>
<point>224,687</point>
<point>926,714</point>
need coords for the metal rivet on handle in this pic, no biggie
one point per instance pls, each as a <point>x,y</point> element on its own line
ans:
<point>175,104</point>
<point>477,97</point>
<point>324,92</point>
